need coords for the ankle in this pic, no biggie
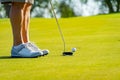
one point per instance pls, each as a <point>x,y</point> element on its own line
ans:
<point>17,43</point>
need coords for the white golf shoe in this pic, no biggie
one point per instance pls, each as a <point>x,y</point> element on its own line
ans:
<point>25,51</point>
<point>34,47</point>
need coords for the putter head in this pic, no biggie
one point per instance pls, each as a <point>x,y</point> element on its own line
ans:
<point>67,53</point>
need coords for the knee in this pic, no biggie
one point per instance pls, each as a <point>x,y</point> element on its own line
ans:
<point>28,6</point>
<point>18,5</point>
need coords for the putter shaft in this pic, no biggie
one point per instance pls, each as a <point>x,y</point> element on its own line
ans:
<point>54,14</point>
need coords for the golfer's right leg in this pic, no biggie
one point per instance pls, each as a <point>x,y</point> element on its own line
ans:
<point>16,18</point>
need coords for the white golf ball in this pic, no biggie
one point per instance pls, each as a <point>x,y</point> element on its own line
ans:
<point>74,49</point>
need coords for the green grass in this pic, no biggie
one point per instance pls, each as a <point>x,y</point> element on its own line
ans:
<point>96,38</point>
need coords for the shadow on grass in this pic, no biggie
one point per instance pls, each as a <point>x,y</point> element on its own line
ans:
<point>9,57</point>
<point>6,57</point>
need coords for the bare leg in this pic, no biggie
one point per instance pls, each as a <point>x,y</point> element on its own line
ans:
<point>25,28</point>
<point>16,18</point>
<point>20,17</point>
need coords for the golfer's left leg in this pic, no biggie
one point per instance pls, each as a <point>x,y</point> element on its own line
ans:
<point>16,18</point>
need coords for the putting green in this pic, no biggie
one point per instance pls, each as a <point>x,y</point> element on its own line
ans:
<point>96,38</point>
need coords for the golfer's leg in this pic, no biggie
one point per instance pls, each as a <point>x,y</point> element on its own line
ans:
<point>16,18</point>
<point>26,22</point>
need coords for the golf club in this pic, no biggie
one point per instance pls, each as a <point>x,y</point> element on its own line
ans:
<point>61,34</point>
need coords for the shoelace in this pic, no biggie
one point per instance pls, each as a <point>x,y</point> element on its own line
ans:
<point>33,46</point>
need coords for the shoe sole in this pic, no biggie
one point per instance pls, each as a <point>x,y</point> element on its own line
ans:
<point>23,57</point>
